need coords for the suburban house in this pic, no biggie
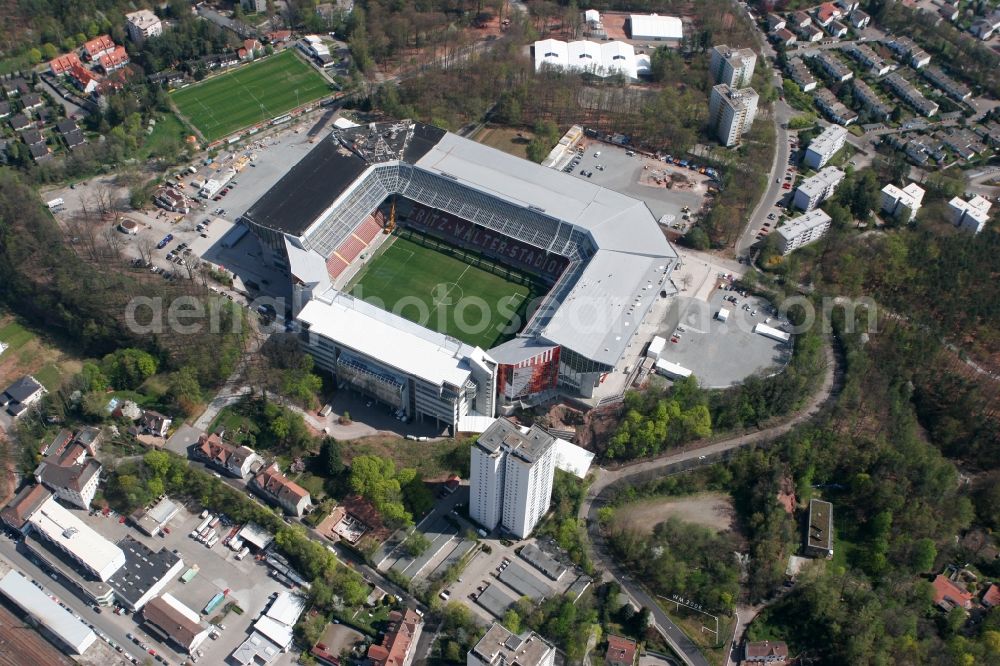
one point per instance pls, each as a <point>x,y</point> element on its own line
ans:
<point>89,438</point>
<point>21,395</point>
<point>238,461</point>
<point>287,494</point>
<point>114,60</point>
<point>949,594</point>
<point>98,46</point>
<point>62,64</point>
<point>69,474</point>
<point>991,597</point>
<point>773,653</point>
<point>83,79</point>
<point>621,651</point>
<point>155,423</point>
<point>819,535</point>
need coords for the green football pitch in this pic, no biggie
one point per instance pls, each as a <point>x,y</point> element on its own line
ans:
<point>250,94</point>
<point>448,290</point>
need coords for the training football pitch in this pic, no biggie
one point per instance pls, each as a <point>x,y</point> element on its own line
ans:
<point>438,287</point>
<point>250,94</point>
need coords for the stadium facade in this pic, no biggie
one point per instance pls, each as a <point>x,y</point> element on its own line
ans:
<point>601,255</point>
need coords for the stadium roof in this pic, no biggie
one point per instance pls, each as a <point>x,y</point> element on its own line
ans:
<point>61,527</point>
<point>395,341</point>
<point>632,257</point>
<point>652,26</point>
<point>60,622</point>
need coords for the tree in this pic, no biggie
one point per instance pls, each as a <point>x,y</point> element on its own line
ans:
<point>416,544</point>
<point>923,556</point>
<point>183,389</point>
<point>128,368</point>
<point>331,463</point>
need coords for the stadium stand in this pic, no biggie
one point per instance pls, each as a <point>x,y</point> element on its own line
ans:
<point>350,248</point>
<point>335,266</point>
<point>369,228</point>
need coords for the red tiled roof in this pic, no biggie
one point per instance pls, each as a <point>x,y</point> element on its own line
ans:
<point>947,592</point>
<point>620,651</point>
<point>397,640</point>
<point>117,58</point>
<point>98,44</point>
<point>272,481</point>
<point>771,651</point>
<point>992,595</point>
<point>17,512</point>
<point>82,75</point>
<point>63,63</point>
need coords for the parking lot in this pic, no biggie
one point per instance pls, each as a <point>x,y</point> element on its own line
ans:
<point>266,161</point>
<point>246,581</point>
<point>612,167</point>
<point>718,353</point>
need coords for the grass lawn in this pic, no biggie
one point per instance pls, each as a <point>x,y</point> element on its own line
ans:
<point>250,94</point>
<point>442,292</point>
<point>27,353</point>
<point>168,132</point>
<point>434,460</point>
<point>14,336</point>
<point>506,139</point>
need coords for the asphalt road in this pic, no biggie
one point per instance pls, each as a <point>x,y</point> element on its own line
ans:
<point>607,481</point>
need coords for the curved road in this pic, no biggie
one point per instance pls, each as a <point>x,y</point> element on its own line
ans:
<point>644,471</point>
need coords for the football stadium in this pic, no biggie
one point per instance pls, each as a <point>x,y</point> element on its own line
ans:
<point>450,280</point>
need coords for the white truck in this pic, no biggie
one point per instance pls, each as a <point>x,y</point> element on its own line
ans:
<point>243,553</point>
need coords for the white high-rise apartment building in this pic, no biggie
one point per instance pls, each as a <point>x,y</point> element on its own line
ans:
<point>731,112</point>
<point>817,188</point>
<point>904,203</point>
<point>734,67</point>
<point>142,25</point>
<point>511,477</point>
<point>803,230</point>
<point>825,146</point>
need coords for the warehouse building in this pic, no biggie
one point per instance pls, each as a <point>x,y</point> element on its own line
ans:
<point>655,28</point>
<point>68,631</point>
<point>596,59</point>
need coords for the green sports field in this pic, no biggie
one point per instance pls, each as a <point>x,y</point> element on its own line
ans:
<point>250,94</point>
<point>439,287</point>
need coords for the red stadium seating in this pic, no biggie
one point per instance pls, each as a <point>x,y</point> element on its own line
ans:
<point>335,266</point>
<point>368,229</point>
<point>351,248</point>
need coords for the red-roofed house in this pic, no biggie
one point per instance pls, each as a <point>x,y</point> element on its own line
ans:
<point>289,495</point>
<point>62,64</point>
<point>399,642</point>
<point>826,13</point>
<point>116,59</point>
<point>251,47</point>
<point>278,36</point>
<point>98,46</point>
<point>621,651</point>
<point>239,461</point>
<point>948,594</point>
<point>773,653</point>
<point>991,597</point>
<point>83,78</point>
